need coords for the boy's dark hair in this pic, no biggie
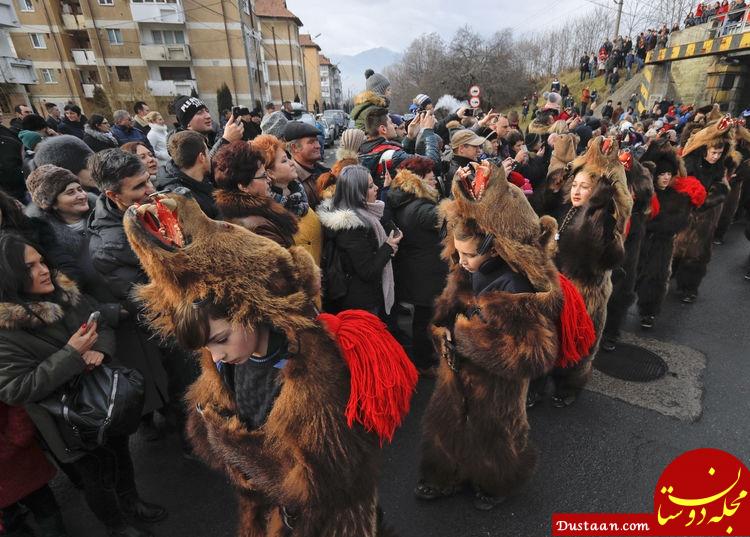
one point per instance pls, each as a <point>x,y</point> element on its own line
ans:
<point>73,108</point>
<point>49,106</point>
<point>111,166</point>
<point>376,118</point>
<point>185,146</point>
<point>138,106</point>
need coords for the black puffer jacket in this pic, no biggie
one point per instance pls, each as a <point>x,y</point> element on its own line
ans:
<point>418,269</point>
<point>362,259</point>
<point>171,177</point>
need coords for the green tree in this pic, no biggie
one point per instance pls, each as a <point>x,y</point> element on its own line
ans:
<point>101,102</point>
<point>224,98</point>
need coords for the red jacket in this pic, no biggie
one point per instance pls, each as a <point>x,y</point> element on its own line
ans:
<point>23,466</point>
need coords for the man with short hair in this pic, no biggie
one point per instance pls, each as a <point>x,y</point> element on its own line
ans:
<point>381,151</point>
<point>53,116</point>
<point>141,110</point>
<point>189,168</point>
<point>193,115</point>
<point>304,146</point>
<point>502,128</point>
<point>124,131</point>
<point>270,108</point>
<point>21,111</point>
<point>287,110</point>
<point>607,111</point>
<point>11,163</point>
<point>72,123</point>
<point>466,146</point>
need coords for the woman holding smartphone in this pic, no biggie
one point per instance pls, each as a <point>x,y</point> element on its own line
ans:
<point>351,221</point>
<point>46,341</point>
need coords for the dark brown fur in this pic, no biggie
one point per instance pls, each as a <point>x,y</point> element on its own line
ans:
<point>305,458</point>
<point>475,428</point>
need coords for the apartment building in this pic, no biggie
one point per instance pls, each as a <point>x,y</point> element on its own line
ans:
<point>153,50</point>
<point>310,51</point>
<point>330,83</point>
<point>14,71</point>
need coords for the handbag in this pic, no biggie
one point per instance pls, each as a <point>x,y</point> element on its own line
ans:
<point>335,277</point>
<point>104,401</point>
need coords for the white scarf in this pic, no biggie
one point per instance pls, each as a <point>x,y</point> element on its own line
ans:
<point>371,216</point>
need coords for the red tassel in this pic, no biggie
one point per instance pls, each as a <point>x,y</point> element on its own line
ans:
<point>655,207</point>
<point>516,178</point>
<point>627,228</point>
<point>382,376</point>
<point>577,333</point>
<point>691,187</point>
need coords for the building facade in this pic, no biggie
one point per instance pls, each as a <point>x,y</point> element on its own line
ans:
<point>152,50</point>
<point>310,51</point>
<point>330,83</point>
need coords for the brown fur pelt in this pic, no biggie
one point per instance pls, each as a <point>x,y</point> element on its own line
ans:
<point>692,248</point>
<point>475,428</point>
<point>304,461</point>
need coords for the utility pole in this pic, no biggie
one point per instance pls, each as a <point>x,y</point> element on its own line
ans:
<point>617,20</point>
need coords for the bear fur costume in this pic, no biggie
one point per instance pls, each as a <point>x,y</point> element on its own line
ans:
<point>475,429</point>
<point>640,183</point>
<point>591,245</point>
<point>693,245</point>
<point>304,468</point>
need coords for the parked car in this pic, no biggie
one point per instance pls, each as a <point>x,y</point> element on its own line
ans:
<point>338,117</point>
<point>329,128</point>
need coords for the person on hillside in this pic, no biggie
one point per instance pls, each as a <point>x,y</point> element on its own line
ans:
<point>555,85</point>
<point>583,67</point>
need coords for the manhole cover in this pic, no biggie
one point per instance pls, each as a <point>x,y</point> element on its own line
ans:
<point>630,362</point>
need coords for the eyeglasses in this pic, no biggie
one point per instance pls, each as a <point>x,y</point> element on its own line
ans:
<point>259,177</point>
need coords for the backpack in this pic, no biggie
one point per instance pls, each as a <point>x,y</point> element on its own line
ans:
<point>335,278</point>
<point>378,160</point>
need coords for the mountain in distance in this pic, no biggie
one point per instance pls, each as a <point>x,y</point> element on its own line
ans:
<point>353,67</point>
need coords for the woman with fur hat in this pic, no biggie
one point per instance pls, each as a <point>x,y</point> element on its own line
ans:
<point>497,325</point>
<point>243,195</point>
<point>706,156</point>
<point>287,191</point>
<point>590,245</point>
<point>419,272</point>
<point>676,197</point>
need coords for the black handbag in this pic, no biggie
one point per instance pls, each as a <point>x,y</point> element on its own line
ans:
<point>104,401</point>
<point>335,277</point>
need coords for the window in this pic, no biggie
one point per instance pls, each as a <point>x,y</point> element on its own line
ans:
<point>168,37</point>
<point>115,36</point>
<point>106,2</point>
<point>48,75</point>
<point>26,5</point>
<point>123,73</point>
<point>37,40</point>
<point>175,73</point>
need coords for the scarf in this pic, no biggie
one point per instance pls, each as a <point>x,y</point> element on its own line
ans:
<point>371,215</point>
<point>101,136</point>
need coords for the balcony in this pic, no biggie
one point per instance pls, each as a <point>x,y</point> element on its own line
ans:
<point>8,18</point>
<point>17,71</point>
<point>168,53</point>
<point>150,12</point>
<point>72,21</point>
<point>171,88</point>
<point>83,56</point>
<point>88,90</point>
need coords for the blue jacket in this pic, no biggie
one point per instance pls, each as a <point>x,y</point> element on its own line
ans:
<point>132,135</point>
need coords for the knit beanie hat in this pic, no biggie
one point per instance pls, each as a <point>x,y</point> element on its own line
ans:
<point>46,183</point>
<point>563,153</point>
<point>274,124</point>
<point>33,122</point>
<point>554,101</point>
<point>351,141</point>
<point>422,100</point>
<point>65,151</point>
<point>29,139</point>
<point>376,82</point>
<point>186,107</point>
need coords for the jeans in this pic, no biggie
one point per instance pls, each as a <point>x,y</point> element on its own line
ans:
<point>107,474</point>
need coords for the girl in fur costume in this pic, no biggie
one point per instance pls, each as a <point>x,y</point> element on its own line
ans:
<point>497,324</point>
<point>590,245</point>
<point>292,407</point>
<point>676,195</point>
<point>706,156</point>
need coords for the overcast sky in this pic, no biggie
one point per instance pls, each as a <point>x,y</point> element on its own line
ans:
<point>351,26</point>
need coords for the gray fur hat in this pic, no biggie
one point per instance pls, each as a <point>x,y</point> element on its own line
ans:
<point>46,183</point>
<point>274,124</point>
<point>65,151</point>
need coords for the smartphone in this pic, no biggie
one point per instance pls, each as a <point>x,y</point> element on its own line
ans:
<point>524,148</point>
<point>236,112</point>
<point>396,231</point>
<point>93,318</point>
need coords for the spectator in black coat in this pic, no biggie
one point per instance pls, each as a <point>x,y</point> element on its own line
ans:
<point>419,271</point>
<point>73,122</point>
<point>53,116</point>
<point>351,220</point>
<point>98,135</point>
<point>11,163</point>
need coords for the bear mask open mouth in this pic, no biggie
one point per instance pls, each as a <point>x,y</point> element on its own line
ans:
<point>473,185</point>
<point>159,220</point>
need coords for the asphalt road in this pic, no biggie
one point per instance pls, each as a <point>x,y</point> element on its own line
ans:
<point>601,455</point>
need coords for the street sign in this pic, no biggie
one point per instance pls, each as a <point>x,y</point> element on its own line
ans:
<point>474,91</point>
<point>475,102</point>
